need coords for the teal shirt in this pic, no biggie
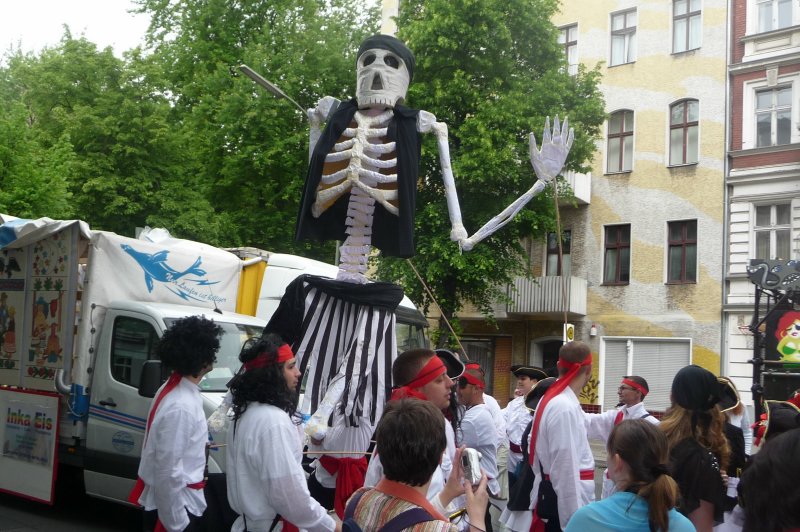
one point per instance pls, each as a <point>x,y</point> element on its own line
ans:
<point>622,512</point>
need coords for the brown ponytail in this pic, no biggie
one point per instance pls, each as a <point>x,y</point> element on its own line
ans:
<point>644,449</point>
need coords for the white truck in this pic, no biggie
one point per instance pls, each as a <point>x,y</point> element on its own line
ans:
<point>80,312</point>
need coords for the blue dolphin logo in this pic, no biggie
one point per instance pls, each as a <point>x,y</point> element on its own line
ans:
<point>155,267</point>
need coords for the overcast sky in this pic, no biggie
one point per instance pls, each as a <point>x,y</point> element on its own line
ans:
<point>34,24</point>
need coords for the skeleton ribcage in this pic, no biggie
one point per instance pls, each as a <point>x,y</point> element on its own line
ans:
<point>363,159</point>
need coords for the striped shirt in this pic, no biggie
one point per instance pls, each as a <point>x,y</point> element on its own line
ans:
<point>389,499</point>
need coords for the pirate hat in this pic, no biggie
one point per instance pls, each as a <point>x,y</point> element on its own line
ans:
<point>453,363</point>
<point>537,392</point>
<point>529,371</point>
<point>778,417</point>
<point>730,397</point>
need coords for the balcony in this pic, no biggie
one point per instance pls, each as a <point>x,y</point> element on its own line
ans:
<point>581,185</point>
<point>545,296</point>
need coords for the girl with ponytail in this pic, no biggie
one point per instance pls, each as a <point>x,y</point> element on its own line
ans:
<point>646,495</point>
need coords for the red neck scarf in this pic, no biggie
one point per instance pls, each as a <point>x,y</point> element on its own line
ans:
<point>428,373</point>
<point>559,386</point>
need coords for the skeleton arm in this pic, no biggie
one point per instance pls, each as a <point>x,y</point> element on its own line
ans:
<point>547,163</point>
<point>316,117</point>
<point>426,123</point>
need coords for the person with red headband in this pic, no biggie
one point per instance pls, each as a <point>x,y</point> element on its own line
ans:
<point>172,467</point>
<point>266,481</point>
<point>420,374</point>
<point>559,447</point>
<point>477,428</point>
<point>631,392</point>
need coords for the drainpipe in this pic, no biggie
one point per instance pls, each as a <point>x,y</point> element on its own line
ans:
<point>723,345</point>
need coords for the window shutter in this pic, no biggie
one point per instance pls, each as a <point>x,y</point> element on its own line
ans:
<point>658,361</point>
<point>615,363</point>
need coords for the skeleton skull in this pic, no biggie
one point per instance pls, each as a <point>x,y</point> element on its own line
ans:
<point>382,79</point>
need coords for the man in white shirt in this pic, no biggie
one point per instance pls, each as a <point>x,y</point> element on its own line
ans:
<point>631,392</point>
<point>421,374</point>
<point>172,467</point>
<point>518,416</point>
<point>561,457</point>
<point>478,430</point>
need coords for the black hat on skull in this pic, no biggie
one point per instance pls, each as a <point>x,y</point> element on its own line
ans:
<point>392,44</point>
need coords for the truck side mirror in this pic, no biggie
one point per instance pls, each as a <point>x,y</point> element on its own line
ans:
<point>152,378</point>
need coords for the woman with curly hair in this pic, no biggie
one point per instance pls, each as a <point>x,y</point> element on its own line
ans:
<point>171,470</point>
<point>266,481</point>
<point>645,495</point>
<point>698,448</point>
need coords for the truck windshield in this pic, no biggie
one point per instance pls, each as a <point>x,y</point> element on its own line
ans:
<point>234,335</point>
<point>410,336</point>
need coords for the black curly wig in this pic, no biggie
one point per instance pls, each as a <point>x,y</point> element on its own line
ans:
<point>189,345</point>
<point>262,385</point>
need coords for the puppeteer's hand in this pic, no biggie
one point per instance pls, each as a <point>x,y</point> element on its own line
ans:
<point>549,160</point>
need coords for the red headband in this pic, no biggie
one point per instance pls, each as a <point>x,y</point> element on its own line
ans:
<point>473,380</point>
<point>263,359</point>
<point>636,386</point>
<point>473,365</point>
<point>429,371</point>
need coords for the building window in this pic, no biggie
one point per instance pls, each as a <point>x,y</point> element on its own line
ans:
<point>774,14</point>
<point>773,116</point>
<point>620,142</point>
<point>683,130</point>
<point>773,229</point>
<point>555,266</point>
<point>617,264</point>
<point>623,37</point>
<point>686,27</point>
<point>682,252</point>
<point>568,38</point>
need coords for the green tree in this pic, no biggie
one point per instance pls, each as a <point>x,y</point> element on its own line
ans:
<point>248,149</point>
<point>99,141</point>
<point>492,70</point>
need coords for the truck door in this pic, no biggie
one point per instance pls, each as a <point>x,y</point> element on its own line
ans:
<point>117,413</point>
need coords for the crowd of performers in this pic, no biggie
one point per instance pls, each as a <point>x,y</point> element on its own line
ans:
<point>700,467</point>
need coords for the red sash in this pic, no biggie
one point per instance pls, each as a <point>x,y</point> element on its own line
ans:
<point>351,472</point>
<point>514,448</point>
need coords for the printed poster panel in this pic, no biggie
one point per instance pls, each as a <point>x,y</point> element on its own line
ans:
<point>173,271</point>
<point>782,335</point>
<point>49,320</point>
<point>12,313</point>
<point>29,435</point>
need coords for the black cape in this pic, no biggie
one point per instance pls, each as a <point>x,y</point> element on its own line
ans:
<point>393,235</point>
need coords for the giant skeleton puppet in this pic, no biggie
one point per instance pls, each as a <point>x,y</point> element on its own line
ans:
<point>360,189</point>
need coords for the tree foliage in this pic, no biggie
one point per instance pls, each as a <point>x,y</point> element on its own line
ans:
<point>172,135</point>
<point>492,70</point>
